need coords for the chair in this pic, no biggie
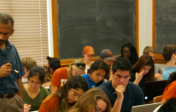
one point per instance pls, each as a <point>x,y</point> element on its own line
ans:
<point>157,99</point>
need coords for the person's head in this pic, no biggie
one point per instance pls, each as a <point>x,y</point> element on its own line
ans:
<point>172,77</point>
<point>150,51</point>
<point>88,53</point>
<point>169,106</point>
<point>71,91</point>
<point>93,100</point>
<point>77,67</point>
<point>28,63</point>
<point>54,63</point>
<point>98,70</point>
<point>107,56</point>
<point>6,27</point>
<point>129,51</point>
<point>121,70</point>
<point>169,53</point>
<point>146,64</point>
<point>36,78</point>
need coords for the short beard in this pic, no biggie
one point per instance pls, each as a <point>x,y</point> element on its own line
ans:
<point>3,41</point>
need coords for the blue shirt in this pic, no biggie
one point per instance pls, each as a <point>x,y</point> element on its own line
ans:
<point>167,72</point>
<point>90,83</point>
<point>8,83</point>
<point>133,95</point>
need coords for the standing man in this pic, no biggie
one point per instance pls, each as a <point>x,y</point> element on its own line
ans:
<point>131,94</point>
<point>11,69</point>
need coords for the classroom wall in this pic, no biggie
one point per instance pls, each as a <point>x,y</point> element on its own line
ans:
<point>145,27</point>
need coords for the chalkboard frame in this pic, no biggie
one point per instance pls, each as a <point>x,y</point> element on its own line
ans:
<point>66,62</point>
<point>158,57</point>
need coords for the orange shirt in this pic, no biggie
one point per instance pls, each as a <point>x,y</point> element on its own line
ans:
<point>169,91</point>
<point>59,77</point>
<point>50,105</point>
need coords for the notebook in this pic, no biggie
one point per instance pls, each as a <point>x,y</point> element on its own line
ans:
<point>145,108</point>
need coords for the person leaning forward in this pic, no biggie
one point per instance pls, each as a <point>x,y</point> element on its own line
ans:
<point>11,69</point>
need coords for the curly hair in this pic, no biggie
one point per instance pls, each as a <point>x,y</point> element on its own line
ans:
<point>172,77</point>
<point>169,106</point>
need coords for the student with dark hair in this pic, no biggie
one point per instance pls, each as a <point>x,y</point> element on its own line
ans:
<point>93,100</point>
<point>129,51</point>
<point>63,99</point>
<point>54,63</point>
<point>169,54</point>
<point>131,94</point>
<point>33,92</point>
<point>96,73</point>
<point>143,71</point>
<point>170,90</point>
<point>169,106</point>
<point>151,52</point>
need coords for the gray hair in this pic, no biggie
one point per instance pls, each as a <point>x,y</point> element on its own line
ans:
<point>6,18</point>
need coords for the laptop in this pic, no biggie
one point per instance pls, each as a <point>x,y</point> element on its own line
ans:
<point>154,88</point>
<point>145,108</point>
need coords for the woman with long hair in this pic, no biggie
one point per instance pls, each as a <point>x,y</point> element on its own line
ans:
<point>143,71</point>
<point>93,100</point>
<point>170,90</point>
<point>98,70</point>
<point>63,99</point>
<point>129,51</point>
<point>61,75</point>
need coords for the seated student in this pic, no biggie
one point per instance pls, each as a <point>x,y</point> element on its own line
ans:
<point>54,63</point>
<point>88,53</point>
<point>28,63</point>
<point>63,99</point>
<point>96,73</point>
<point>61,75</point>
<point>143,71</point>
<point>33,92</point>
<point>170,90</point>
<point>151,51</point>
<point>129,51</point>
<point>93,100</point>
<point>169,54</point>
<point>133,94</point>
<point>169,106</point>
<point>107,56</point>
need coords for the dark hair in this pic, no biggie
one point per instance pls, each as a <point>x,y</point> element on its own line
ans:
<point>75,82</point>
<point>167,52</point>
<point>37,71</point>
<point>134,56</point>
<point>6,18</point>
<point>54,63</point>
<point>142,61</point>
<point>172,77</point>
<point>123,64</point>
<point>169,106</point>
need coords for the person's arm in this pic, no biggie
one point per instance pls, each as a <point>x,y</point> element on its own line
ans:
<point>53,88</point>
<point>118,103</point>
<point>163,101</point>
<point>139,77</point>
<point>20,86</point>
<point>5,69</point>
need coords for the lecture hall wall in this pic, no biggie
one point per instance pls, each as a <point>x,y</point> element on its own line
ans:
<point>145,27</point>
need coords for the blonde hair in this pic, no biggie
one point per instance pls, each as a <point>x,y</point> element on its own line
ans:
<point>148,49</point>
<point>28,62</point>
<point>87,101</point>
<point>75,67</point>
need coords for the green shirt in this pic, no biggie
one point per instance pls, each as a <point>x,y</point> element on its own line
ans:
<point>36,102</point>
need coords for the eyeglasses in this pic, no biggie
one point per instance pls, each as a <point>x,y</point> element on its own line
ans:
<point>79,64</point>
<point>75,94</point>
<point>36,83</point>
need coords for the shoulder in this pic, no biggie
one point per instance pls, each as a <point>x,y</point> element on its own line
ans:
<point>85,76</point>
<point>62,71</point>
<point>134,87</point>
<point>43,89</point>
<point>51,101</point>
<point>106,86</point>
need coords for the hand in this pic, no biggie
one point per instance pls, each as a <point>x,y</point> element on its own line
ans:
<point>120,89</point>
<point>5,69</point>
<point>26,107</point>
<point>159,79</point>
<point>139,76</point>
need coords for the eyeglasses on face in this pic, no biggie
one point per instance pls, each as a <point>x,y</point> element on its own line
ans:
<point>75,94</point>
<point>79,64</point>
<point>36,83</point>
